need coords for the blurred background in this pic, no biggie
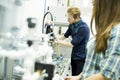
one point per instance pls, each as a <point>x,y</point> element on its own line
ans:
<point>27,48</point>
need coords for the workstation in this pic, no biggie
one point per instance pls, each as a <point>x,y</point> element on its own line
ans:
<point>29,29</point>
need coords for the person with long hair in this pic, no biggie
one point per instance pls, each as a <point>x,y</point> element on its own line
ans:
<point>103,52</point>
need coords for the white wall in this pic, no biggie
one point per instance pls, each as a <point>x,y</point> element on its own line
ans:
<point>36,9</point>
<point>33,9</point>
<point>84,5</point>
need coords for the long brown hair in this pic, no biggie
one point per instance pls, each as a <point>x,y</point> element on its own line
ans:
<point>106,14</point>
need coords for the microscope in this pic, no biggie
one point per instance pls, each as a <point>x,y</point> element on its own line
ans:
<point>47,28</point>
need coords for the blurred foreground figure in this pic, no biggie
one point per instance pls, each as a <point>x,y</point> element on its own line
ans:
<point>103,53</point>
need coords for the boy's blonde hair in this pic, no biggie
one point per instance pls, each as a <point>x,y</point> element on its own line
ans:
<point>74,11</point>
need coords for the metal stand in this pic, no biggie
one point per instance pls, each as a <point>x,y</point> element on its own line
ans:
<point>5,68</point>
